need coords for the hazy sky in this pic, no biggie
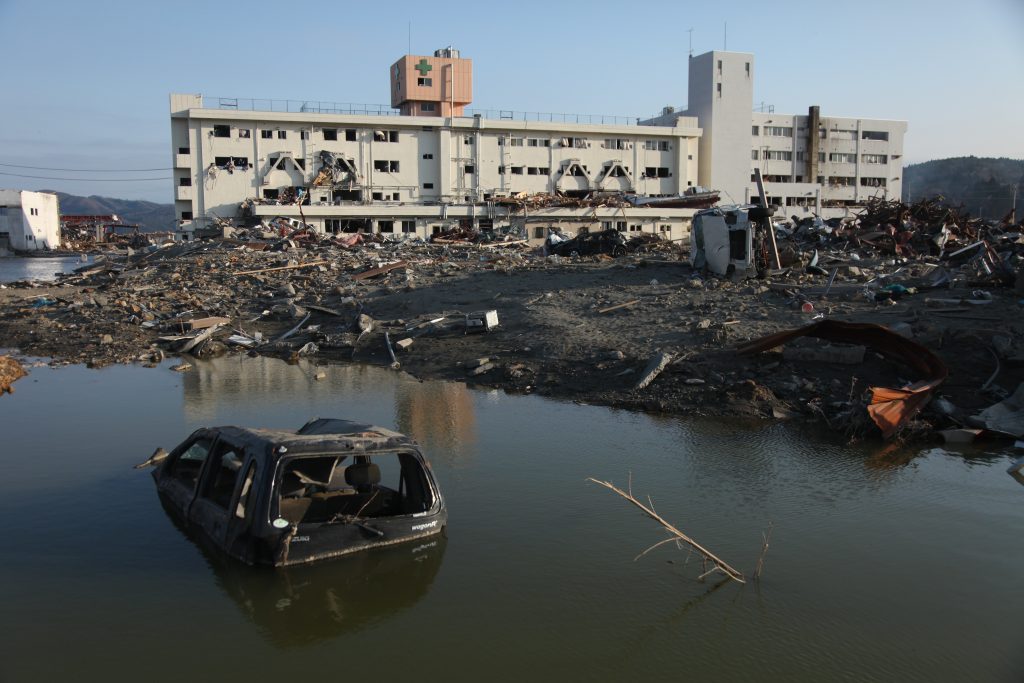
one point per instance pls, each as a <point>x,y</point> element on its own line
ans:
<point>85,84</point>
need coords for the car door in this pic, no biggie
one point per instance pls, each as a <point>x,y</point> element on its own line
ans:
<point>223,476</point>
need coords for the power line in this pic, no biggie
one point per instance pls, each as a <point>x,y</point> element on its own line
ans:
<point>89,170</point>
<point>88,180</point>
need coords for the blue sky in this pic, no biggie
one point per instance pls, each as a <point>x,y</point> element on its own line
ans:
<point>85,83</point>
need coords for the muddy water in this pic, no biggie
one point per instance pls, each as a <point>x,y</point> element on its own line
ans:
<point>880,568</point>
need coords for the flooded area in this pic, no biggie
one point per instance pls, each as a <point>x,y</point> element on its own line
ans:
<point>38,267</point>
<point>882,566</point>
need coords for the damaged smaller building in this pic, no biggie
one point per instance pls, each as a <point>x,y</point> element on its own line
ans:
<point>29,221</point>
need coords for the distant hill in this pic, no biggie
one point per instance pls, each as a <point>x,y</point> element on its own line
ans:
<point>984,185</point>
<point>152,217</point>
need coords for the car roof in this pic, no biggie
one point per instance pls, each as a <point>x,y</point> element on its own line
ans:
<point>317,436</point>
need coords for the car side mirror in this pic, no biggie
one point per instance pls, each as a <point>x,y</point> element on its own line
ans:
<point>159,455</point>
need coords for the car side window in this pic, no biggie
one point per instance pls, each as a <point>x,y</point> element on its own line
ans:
<point>189,464</point>
<point>227,467</point>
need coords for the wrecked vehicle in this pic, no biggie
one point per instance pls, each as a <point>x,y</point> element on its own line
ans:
<point>588,243</point>
<point>277,497</point>
<point>726,239</point>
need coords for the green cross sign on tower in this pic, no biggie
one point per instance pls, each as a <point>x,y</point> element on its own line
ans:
<point>423,67</point>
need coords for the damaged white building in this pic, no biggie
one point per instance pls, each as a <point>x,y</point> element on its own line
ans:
<point>29,221</point>
<point>427,163</point>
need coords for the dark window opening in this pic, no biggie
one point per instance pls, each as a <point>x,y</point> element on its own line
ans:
<point>184,150</point>
<point>470,169</point>
<point>244,133</point>
<point>303,134</point>
<point>271,194</point>
<point>350,134</point>
<point>266,134</point>
<point>187,466</point>
<point>428,186</point>
<point>325,489</point>
<point>186,215</point>
<point>386,226</point>
<point>408,226</point>
<point>185,182</point>
<point>428,156</point>
<point>330,133</point>
<point>222,131</point>
<point>282,135</point>
<point>377,196</point>
<point>220,484</point>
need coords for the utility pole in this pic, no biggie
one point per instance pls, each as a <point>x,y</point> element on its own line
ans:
<point>690,31</point>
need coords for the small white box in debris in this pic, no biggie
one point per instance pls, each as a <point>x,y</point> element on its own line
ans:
<point>481,321</point>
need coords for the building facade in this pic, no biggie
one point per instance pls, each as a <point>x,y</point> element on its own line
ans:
<point>809,163</point>
<point>29,221</point>
<point>424,165</point>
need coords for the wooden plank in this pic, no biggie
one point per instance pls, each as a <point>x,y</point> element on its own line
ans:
<point>374,272</point>
<point>618,306</point>
<point>276,268</point>
<point>203,323</point>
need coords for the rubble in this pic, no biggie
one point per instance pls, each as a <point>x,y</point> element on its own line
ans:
<point>575,325</point>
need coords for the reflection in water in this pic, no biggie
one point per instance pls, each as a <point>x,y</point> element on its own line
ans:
<point>296,606</point>
<point>439,415</point>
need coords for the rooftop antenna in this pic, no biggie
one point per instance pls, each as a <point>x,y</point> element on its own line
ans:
<point>725,42</point>
<point>690,31</point>
<point>410,38</point>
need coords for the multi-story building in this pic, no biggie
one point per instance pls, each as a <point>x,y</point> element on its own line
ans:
<point>809,163</point>
<point>426,165</point>
<point>29,221</point>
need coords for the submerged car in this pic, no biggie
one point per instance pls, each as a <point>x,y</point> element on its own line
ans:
<point>281,498</point>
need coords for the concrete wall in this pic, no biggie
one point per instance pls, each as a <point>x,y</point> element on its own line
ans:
<point>30,219</point>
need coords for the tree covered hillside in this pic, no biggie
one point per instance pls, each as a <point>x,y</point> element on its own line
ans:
<point>984,185</point>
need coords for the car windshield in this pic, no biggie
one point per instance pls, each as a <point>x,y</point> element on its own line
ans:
<point>330,488</point>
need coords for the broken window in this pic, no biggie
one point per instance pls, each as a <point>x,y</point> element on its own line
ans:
<point>395,196</point>
<point>467,139</point>
<point>385,136</point>
<point>184,150</point>
<point>186,215</point>
<point>220,484</point>
<point>842,158</point>
<point>874,135</point>
<point>184,182</point>
<point>424,82</point>
<point>428,156</point>
<point>874,158</point>
<point>531,170</point>
<point>470,169</point>
<point>428,106</point>
<point>777,155</point>
<point>516,142</point>
<point>719,88</point>
<point>266,134</point>
<point>330,134</point>
<point>665,228</point>
<point>339,488</point>
<point>408,226</point>
<point>841,181</point>
<point>303,134</point>
<point>377,196</point>
<point>222,162</point>
<point>428,186</point>
<point>517,170</point>
<point>872,182</point>
<point>350,134</point>
<point>282,135</point>
<point>537,142</point>
<point>615,143</point>
<point>187,466</point>
<point>386,226</point>
<point>244,133</point>
<point>271,194</point>
<point>753,154</point>
<point>222,131</point>
<point>501,170</point>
